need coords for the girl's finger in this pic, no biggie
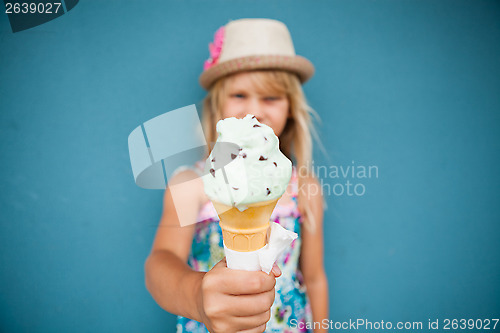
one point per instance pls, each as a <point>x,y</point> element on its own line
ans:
<point>276,270</point>
<point>260,329</point>
<point>237,282</point>
<point>252,322</point>
<point>250,305</point>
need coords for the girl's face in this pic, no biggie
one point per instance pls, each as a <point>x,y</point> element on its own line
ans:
<point>243,96</point>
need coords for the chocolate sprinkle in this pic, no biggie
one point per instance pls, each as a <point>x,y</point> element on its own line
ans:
<point>241,149</point>
<point>265,138</point>
<point>213,159</point>
<point>276,165</point>
<point>253,117</point>
<point>256,125</point>
<point>244,155</point>
<point>235,188</point>
<point>212,171</point>
<point>233,156</point>
<point>262,158</point>
<point>268,190</point>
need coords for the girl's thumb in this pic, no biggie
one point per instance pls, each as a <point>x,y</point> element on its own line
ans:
<point>276,270</point>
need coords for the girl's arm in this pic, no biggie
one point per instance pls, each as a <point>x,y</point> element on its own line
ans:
<point>224,300</point>
<point>311,256</point>
<point>171,282</point>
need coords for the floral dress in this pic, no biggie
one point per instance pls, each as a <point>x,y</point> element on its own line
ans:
<point>291,308</point>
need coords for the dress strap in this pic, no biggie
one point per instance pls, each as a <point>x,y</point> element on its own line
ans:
<point>197,168</point>
<point>294,182</point>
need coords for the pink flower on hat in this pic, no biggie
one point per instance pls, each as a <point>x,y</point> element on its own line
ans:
<point>215,48</point>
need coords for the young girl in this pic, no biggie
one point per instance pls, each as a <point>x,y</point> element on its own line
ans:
<point>253,69</point>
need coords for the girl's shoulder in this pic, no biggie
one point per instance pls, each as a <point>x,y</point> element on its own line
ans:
<point>186,188</point>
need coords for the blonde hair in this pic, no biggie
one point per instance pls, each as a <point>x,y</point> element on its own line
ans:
<point>296,138</point>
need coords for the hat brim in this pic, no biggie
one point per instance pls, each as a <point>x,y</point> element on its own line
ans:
<point>295,64</point>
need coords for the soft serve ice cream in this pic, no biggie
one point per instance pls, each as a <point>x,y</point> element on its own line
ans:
<point>246,174</point>
<point>246,166</point>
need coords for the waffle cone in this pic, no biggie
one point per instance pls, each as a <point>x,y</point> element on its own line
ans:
<point>247,230</point>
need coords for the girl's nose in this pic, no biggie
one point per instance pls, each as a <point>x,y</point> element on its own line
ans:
<point>255,108</point>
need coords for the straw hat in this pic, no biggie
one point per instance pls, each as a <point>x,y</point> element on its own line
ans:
<point>249,44</point>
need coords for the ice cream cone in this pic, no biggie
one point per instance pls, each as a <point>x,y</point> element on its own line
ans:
<point>246,230</point>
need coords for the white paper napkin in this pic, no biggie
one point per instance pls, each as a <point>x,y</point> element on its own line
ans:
<point>264,258</point>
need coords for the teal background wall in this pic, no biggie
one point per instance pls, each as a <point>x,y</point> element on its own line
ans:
<point>411,87</point>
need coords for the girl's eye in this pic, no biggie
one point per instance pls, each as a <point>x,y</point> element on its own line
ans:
<point>271,98</point>
<point>238,95</point>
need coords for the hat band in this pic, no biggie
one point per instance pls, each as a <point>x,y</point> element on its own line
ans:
<point>295,64</point>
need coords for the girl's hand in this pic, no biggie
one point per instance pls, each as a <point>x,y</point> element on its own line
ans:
<point>235,300</point>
